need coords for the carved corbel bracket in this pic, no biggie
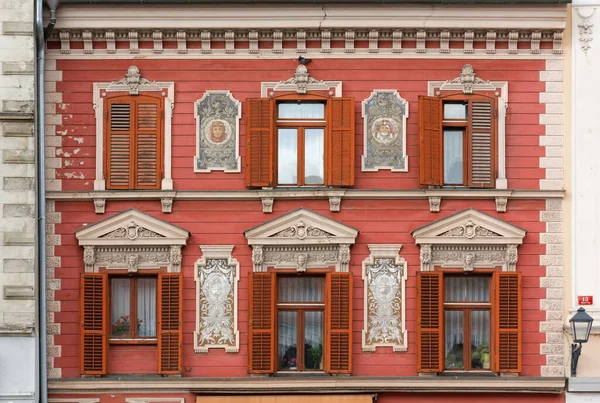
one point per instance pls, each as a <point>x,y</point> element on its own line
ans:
<point>434,203</point>
<point>167,204</point>
<point>335,203</point>
<point>267,204</point>
<point>501,203</point>
<point>99,206</point>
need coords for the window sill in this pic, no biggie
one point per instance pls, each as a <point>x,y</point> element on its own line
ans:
<point>133,341</point>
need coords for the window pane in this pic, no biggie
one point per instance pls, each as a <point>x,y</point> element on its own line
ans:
<point>146,307</point>
<point>313,340</point>
<point>301,110</point>
<point>314,145</point>
<point>287,340</point>
<point>453,322</point>
<point>466,289</point>
<point>287,161</point>
<point>453,157</point>
<point>119,307</point>
<point>301,289</point>
<point>455,110</point>
<point>480,339</point>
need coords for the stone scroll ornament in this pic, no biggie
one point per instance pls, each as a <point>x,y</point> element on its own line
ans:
<point>384,115</point>
<point>384,303</point>
<point>217,132</point>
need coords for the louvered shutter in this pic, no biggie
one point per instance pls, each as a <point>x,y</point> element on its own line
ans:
<point>338,327</point>
<point>429,322</point>
<point>169,323</point>
<point>341,142</point>
<point>148,143</point>
<point>430,141</point>
<point>261,337</point>
<point>93,336</point>
<point>508,322</point>
<point>118,148</point>
<point>482,172</point>
<point>259,147</point>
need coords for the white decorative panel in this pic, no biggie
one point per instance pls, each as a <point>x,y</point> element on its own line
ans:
<point>384,276</point>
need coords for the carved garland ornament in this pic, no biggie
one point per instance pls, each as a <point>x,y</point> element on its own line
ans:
<point>217,275</point>
<point>384,275</point>
<point>132,258</point>
<point>469,256</point>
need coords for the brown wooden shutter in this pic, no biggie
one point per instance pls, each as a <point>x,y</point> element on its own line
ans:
<point>119,129</point>
<point>429,322</point>
<point>341,142</point>
<point>430,141</point>
<point>261,335</point>
<point>148,143</point>
<point>94,333</point>
<point>508,322</point>
<point>169,323</point>
<point>259,139</point>
<point>338,327</point>
<point>482,172</point>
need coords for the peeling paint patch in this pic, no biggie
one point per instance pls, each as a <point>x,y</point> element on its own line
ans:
<point>62,132</point>
<point>76,151</point>
<point>68,163</point>
<point>63,106</point>
<point>59,151</point>
<point>67,155</point>
<point>81,162</point>
<point>74,175</point>
<point>79,140</point>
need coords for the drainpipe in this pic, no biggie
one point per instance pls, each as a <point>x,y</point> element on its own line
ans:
<point>41,35</point>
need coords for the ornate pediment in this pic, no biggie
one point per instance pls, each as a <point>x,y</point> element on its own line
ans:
<point>301,226</point>
<point>131,227</point>
<point>469,227</point>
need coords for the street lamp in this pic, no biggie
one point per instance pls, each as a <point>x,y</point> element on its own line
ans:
<point>581,325</point>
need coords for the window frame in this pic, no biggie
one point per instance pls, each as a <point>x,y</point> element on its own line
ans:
<point>300,308</point>
<point>101,90</point>
<point>300,125</point>
<point>466,307</point>
<point>501,93</point>
<point>133,338</point>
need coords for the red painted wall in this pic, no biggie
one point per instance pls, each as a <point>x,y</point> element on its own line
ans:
<point>379,221</point>
<point>243,77</point>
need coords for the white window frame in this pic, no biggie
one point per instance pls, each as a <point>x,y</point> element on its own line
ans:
<point>101,90</point>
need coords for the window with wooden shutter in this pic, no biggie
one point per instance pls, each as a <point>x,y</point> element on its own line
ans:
<point>341,166</point>
<point>508,322</point>
<point>300,141</point>
<point>429,322</point>
<point>169,323</point>
<point>259,148</point>
<point>430,121</point>
<point>261,335</point>
<point>338,343</point>
<point>93,336</point>
<point>457,138</point>
<point>134,142</point>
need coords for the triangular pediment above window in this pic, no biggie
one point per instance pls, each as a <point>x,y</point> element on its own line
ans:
<point>131,227</point>
<point>469,227</point>
<point>301,226</point>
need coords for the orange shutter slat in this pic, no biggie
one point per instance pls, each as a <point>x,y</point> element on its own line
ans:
<point>508,322</point>
<point>429,322</point>
<point>169,323</point>
<point>259,142</point>
<point>341,142</point>
<point>430,141</point>
<point>93,336</point>
<point>148,156</point>
<point>338,323</point>
<point>482,172</point>
<point>261,335</point>
<point>119,128</point>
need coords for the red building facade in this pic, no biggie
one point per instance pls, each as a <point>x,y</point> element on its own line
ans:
<point>379,217</point>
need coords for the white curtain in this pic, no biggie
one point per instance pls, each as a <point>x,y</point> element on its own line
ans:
<point>453,157</point>
<point>305,110</point>
<point>146,307</point>
<point>314,156</point>
<point>119,307</point>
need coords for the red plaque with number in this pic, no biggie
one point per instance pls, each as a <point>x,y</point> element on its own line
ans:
<point>585,299</point>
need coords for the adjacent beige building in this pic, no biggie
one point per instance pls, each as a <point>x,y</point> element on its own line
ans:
<point>18,343</point>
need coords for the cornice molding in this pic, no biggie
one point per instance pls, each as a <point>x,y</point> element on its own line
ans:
<point>310,385</point>
<point>312,17</point>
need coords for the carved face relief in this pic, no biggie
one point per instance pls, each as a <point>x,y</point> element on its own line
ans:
<point>384,130</point>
